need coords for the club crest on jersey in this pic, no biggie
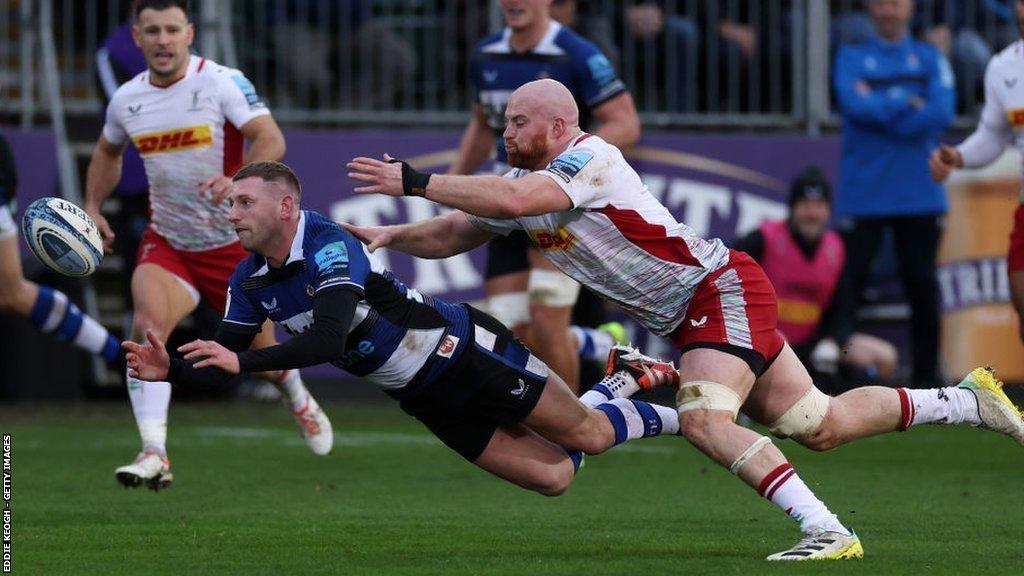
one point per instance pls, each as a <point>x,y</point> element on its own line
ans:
<point>1015,117</point>
<point>447,346</point>
<point>187,138</point>
<point>561,239</point>
<point>569,164</point>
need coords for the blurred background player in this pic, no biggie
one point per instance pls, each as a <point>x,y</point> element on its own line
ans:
<point>523,290</point>
<point>1001,124</point>
<point>188,117</point>
<point>805,262</point>
<point>47,309</point>
<point>896,96</point>
<point>454,368</point>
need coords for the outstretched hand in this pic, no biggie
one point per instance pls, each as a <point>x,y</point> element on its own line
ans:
<point>382,177</point>
<point>210,353</point>
<point>147,361</point>
<point>373,236</point>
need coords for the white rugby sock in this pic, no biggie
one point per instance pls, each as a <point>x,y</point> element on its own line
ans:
<point>786,490</point>
<point>618,385</point>
<point>949,405</point>
<point>291,385</point>
<point>150,403</point>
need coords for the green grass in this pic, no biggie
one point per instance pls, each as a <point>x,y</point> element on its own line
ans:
<point>249,499</point>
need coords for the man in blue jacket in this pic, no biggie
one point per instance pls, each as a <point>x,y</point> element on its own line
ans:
<point>896,97</point>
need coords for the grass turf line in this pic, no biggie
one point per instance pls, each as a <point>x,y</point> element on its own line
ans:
<point>249,498</point>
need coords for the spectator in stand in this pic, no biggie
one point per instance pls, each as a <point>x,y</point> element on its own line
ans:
<point>805,261</point>
<point>896,98</point>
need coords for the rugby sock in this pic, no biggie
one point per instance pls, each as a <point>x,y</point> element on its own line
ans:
<point>54,314</point>
<point>150,401</point>
<point>618,385</point>
<point>786,490</point>
<point>577,459</point>
<point>634,419</point>
<point>592,344</point>
<point>290,384</point>
<point>950,405</point>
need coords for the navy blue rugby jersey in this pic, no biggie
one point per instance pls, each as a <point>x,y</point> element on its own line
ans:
<point>563,55</point>
<point>395,332</point>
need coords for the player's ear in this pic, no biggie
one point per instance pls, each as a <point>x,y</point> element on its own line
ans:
<point>558,127</point>
<point>190,33</point>
<point>137,34</point>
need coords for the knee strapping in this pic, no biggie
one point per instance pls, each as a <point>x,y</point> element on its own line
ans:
<point>804,417</point>
<point>705,395</point>
<point>552,288</point>
<point>511,309</point>
<point>749,453</point>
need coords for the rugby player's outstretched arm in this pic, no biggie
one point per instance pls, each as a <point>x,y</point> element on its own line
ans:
<point>438,237</point>
<point>209,363</point>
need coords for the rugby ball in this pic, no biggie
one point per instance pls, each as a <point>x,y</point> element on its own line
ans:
<point>63,237</point>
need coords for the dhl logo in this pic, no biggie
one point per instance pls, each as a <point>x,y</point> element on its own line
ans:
<point>1015,117</point>
<point>187,138</point>
<point>561,239</point>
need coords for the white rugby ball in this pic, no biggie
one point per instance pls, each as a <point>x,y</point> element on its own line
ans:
<point>63,237</point>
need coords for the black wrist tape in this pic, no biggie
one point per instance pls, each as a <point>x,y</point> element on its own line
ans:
<point>414,182</point>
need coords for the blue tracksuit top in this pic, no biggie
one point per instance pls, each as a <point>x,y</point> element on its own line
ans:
<point>886,138</point>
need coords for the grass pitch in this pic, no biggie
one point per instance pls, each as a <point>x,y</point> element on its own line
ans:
<point>248,498</point>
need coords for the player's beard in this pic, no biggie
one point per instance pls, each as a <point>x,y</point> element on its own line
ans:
<point>529,156</point>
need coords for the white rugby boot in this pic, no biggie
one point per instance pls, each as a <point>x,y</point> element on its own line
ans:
<point>998,413</point>
<point>315,426</point>
<point>149,468</point>
<point>822,545</point>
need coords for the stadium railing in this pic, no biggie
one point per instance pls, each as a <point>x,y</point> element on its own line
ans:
<point>690,63</point>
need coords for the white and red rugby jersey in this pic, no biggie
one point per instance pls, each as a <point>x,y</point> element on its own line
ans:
<point>617,239</point>
<point>1002,119</point>
<point>186,132</point>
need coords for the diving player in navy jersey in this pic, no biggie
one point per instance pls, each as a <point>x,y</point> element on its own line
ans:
<point>454,368</point>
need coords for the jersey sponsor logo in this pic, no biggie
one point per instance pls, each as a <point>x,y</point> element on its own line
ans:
<point>332,258</point>
<point>568,165</point>
<point>601,69</point>
<point>447,347</point>
<point>699,323</point>
<point>1015,117</point>
<point>187,138</point>
<point>360,351</point>
<point>133,110</point>
<point>561,239</point>
<point>249,91</point>
<point>269,305</point>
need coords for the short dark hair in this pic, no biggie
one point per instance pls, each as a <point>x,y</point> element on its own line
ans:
<point>270,171</point>
<point>140,5</point>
